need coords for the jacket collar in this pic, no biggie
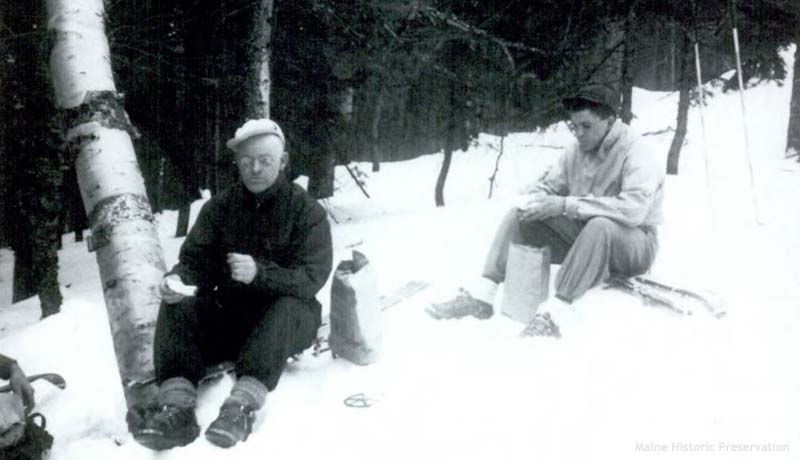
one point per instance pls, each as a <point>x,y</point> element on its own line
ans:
<point>615,133</point>
<point>259,199</point>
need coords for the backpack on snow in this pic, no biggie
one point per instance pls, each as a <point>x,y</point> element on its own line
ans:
<point>34,443</point>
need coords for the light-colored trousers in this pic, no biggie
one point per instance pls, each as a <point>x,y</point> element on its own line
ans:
<point>589,251</point>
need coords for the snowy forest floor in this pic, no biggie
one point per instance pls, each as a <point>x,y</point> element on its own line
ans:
<point>626,381</point>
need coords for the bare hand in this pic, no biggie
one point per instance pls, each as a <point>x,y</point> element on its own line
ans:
<point>167,294</point>
<point>22,388</point>
<point>243,267</point>
<point>541,207</point>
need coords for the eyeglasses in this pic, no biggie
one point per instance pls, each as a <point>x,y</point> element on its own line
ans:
<point>249,162</point>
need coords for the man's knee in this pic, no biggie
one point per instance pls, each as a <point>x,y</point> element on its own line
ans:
<point>601,225</point>
<point>288,306</point>
<point>509,225</point>
<point>292,313</point>
<point>301,318</point>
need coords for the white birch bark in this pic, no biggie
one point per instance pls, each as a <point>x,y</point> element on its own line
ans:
<point>259,55</point>
<point>124,234</point>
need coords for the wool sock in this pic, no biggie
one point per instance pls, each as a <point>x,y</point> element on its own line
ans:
<point>484,290</point>
<point>178,392</point>
<point>248,391</point>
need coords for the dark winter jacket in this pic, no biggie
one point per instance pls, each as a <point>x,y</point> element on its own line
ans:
<point>283,228</point>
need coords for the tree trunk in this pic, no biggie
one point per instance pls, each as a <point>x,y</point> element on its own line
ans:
<point>5,191</point>
<point>37,175</point>
<point>182,228</point>
<point>684,80</point>
<point>449,142</point>
<point>334,142</point>
<point>627,62</point>
<point>448,157</point>
<point>793,134</point>
<point>672,39</point>
<point>124,234</point>
<point>24,286</point>
<point>258,79</point>
<point>375,131</point>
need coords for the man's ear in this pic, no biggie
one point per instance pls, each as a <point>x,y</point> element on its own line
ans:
<point>284,160</point>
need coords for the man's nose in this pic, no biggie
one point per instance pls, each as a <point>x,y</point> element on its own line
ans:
<point>257,166</point>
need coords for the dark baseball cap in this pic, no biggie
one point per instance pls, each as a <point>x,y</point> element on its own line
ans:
<point>601,95</point>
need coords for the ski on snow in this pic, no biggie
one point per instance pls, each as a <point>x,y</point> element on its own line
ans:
<point>675,299</point>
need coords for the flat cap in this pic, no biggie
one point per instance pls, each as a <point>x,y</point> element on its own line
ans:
<point>255,128</point>
<point>597,94</point>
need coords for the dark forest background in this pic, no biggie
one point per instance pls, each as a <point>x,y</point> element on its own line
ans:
<point>367,80</point>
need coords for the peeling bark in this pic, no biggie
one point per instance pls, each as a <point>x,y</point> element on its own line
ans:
<point>98,133</point>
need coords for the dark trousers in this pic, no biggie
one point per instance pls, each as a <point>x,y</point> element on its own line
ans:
<point>200,331</point>
<point>589,251</point>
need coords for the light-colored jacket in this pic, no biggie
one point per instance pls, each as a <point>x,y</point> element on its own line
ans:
<point>622,180</point>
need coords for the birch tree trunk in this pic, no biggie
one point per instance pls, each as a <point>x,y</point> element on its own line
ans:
<point>124,234</point>
<point>258,79</point>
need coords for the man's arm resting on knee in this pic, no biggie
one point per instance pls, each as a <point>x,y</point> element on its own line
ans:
<point>641,181</point>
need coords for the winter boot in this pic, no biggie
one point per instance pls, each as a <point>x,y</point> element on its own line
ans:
<point>460,306</point>
<point>235,420</point>
<point>541,325</point>
<point>171,422</point>
<point>168,426</point>
<point>234,424</point>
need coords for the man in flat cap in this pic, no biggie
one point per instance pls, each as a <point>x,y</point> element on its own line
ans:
<point>597,209</point>
<point>257,255</point>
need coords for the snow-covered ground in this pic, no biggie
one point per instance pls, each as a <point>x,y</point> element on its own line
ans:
<point>626,381</point>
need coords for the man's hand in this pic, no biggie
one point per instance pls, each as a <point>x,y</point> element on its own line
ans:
<point>540,207</point>
<point>21,387</point>
<point>167,294</point>
<point>243,267</point>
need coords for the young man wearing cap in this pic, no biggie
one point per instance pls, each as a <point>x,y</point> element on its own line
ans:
<point>597,209</point>
<point>257,254</point>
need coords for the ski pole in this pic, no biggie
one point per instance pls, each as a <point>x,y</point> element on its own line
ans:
<point>744,113</point>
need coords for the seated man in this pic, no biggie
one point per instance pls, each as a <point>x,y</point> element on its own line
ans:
<point>258,254</point>
<point>597,209</point>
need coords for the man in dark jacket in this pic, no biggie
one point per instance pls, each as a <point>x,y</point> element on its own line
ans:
<point>257,255</point>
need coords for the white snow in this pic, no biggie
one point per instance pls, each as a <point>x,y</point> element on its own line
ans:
<point>626,381</point>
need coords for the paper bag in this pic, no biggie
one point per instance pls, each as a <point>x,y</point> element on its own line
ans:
<point>356,331</point>
<point>527,281</point>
